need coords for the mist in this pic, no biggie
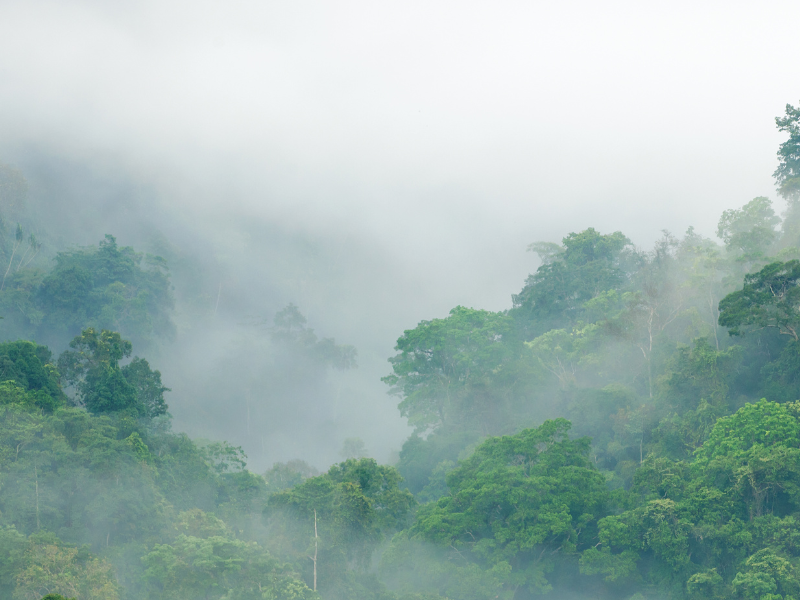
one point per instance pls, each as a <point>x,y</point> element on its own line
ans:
<point>437,141</point>
<point>373,167</point>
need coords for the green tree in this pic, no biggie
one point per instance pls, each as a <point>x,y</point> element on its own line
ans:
<point>699,372</point>
<point>769,298</point>
<point>421,457</point>
<point>102,386</point>
<point>767,576</point>
<point>30,366</point>
<point>92,368</point>
<point>754,455</point>
<point>12,549</point>
<point>787,175</point>
<point>654,303</point>
<point>517,505</point>
<point>561,352</point>
<point>52,568</point>
<point>148,387</point>
<point>338,518</point>
<point>587,264</point>
<point>697,522</point>
<point>459,372</point>
<point>706,277</point>
<point>749,231</point>
<point>206,560</point>
<point>108,287</point>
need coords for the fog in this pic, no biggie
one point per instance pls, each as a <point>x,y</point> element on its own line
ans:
<point>323,178</point>
<point>378,164</point>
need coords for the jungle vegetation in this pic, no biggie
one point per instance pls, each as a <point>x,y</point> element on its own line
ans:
<point>628,428</point>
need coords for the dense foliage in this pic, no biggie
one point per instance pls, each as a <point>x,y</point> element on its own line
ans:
<point>629,428</point>
<point>105,287</point>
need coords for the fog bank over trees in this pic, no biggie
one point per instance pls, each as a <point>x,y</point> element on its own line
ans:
<point>418,302</point>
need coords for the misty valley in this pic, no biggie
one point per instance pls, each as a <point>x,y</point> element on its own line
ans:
<point>627,428</point>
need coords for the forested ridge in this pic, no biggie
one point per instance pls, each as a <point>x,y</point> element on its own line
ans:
<point>629,428</point>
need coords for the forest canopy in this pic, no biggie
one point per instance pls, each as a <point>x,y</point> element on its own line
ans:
<point>628,428</point>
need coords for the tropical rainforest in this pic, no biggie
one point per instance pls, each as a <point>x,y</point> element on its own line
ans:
<point>628,428</point>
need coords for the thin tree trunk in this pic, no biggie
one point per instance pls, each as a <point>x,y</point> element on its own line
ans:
<point>35,252</point>
<point>22,258</point>
<point>650,353</point>
<point>714,317</point>
<point>11,260</point>
<point>36,479</point>
<point>316,547</point>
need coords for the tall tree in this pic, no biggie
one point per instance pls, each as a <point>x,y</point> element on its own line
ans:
<point>769,298</point>
<point>106,287</point>
<point>749,231</point>
<point>338,518</point>
<point>457,372</point>
<point>587,264</point>
<point>787,175</point>
<point>92,368</point>
<point>515,506</point>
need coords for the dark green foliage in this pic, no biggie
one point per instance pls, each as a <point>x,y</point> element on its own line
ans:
<point>514,504</point>
<point>205,560</point>
<point>628,345</point>
<point>93,481</point>
<point>148,387</point>
<point>615,418</point>
<point>782,376</point>
<point>703,525</point>
<point>92,368</point>
<point>769,298</point>
<point>30,366</point>
<point>105,390</point>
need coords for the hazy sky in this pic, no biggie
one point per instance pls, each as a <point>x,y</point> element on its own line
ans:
<point>452,132</point>
<point>433,140</point>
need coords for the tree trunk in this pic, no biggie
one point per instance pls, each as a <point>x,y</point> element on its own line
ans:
<point>36,480</point>
<point>316,547</point>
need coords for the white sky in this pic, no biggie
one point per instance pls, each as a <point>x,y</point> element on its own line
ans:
<point>453,133</point>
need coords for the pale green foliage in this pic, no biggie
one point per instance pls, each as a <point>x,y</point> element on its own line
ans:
<point>787,175</point>
<point>750,230</point>
<point>54,569</point>
<point>452,372</point>
<point>561,352</point>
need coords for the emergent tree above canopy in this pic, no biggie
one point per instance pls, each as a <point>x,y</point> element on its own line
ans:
<point>769,298</point>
